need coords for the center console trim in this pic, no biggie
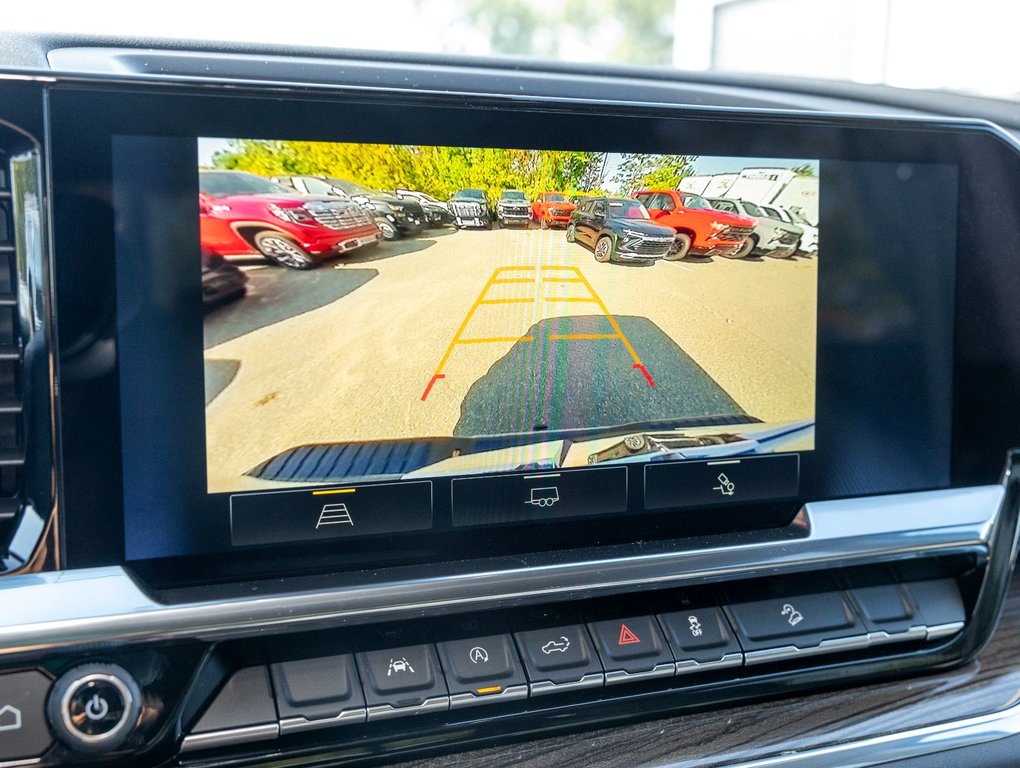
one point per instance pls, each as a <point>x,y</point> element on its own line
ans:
<point>96,605</point>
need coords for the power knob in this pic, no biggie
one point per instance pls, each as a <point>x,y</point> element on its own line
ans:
<point>94,707</point>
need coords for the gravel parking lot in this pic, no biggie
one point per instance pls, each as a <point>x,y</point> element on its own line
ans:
<point>454,332</point>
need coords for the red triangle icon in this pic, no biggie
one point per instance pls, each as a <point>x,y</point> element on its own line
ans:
<point>627,637</point>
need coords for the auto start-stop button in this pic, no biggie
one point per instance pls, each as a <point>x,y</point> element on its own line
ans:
<point>94,707</point>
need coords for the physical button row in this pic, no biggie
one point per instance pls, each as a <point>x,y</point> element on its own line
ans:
<point>487,666</point>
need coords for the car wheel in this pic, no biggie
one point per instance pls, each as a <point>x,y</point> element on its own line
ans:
<point>681,247</point>
<point>604,249</point>
<point>571,234</point>
<point>543,223</point>
<point>388,229</point>
<point>744,250</point>
<point>281,250</point>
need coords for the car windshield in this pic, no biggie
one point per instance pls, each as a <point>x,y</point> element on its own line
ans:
<point>753,210</point>
<point>695,201</point>
<point>554,197</point>
<point>902,43</point>
<point>473,193</point>
<point>350,187</point>
<point>772,213</point>
<point>319,187</point>
<point>513,194</point>
<point>625,208</point>
<point>223,184</point>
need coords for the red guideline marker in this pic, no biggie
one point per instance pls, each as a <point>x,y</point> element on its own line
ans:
<point>639,366</point>
<point>432,383</point>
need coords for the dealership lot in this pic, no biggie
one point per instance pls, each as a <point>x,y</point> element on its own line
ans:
<point>395,348</point>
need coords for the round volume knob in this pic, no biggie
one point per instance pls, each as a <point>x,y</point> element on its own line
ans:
<point>94,707</point>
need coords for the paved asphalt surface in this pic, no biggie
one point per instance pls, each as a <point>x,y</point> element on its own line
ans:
<point>451,333</point>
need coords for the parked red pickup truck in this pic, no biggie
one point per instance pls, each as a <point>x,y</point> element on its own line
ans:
<point>241,214</point>
<point>700,229</point>
<point>552,208</point>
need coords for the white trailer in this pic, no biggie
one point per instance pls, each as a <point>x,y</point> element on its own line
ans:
<point>708,186</point>
<point>760,185</point>
<point>694,184</point>
<point>801,195</point>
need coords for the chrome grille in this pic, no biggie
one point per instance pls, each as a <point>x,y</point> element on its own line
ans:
<point>516,210</point>
<point>735,233</point>
<point>467,210</point>
<point>649,246</point>
<point>339,216</point>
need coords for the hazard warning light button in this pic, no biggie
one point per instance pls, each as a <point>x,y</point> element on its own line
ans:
<point>632,647</point>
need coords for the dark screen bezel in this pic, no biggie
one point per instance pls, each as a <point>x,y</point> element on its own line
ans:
<point>83,121</point>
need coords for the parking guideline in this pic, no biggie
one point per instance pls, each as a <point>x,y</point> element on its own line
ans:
<point>539,275</point>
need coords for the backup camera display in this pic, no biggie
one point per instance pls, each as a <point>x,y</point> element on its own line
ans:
<point>381,312</point>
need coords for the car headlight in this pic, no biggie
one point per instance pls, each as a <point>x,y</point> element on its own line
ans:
<point>297,214</point>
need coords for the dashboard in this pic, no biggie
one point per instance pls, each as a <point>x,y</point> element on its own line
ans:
<point>358,411</point>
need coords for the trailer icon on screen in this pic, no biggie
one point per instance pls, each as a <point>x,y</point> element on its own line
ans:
<point>544,497</point>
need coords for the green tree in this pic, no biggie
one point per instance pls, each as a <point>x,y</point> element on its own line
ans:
<point>630,32</point>
<point>440,171</point>
<point>638,170</point>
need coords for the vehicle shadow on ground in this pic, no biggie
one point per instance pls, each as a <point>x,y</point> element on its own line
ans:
<point>218,375</point>
<point>577,374</point>
<point>387,249</point>
<point>276,294</point>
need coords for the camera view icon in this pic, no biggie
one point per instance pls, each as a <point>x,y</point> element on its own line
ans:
<point>334,514</point>
<point>544,497</point>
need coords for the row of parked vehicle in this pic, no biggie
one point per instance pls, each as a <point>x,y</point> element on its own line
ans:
<point>297,221</point>
<point>697,225</point>
<point>670,224</point>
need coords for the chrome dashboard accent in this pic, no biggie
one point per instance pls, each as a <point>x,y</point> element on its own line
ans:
<point>944,630</point>
<point>688,666</point>
<point>785,652</point>
<point>593,680</point>
<point>903,745</point>
<point>347,717</point>
<point>622,676</point>
<point>226,738</point>
<point>386,711</point>
<point>77,607</point>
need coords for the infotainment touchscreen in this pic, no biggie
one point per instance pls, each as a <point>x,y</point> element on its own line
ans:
<point>356,350</point>
<point>408,312</point>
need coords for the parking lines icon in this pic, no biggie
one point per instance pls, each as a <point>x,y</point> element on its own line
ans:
<point>334,514</point>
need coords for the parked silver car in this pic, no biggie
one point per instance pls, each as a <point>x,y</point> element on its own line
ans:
<point>771,236</point>
<point>809,240</point>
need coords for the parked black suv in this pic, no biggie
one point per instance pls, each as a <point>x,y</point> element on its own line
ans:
<point>618,229</point>
<point>513,209</point>
<point>437,213</point>
<point>470,208</point>
<point>395,217</point>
